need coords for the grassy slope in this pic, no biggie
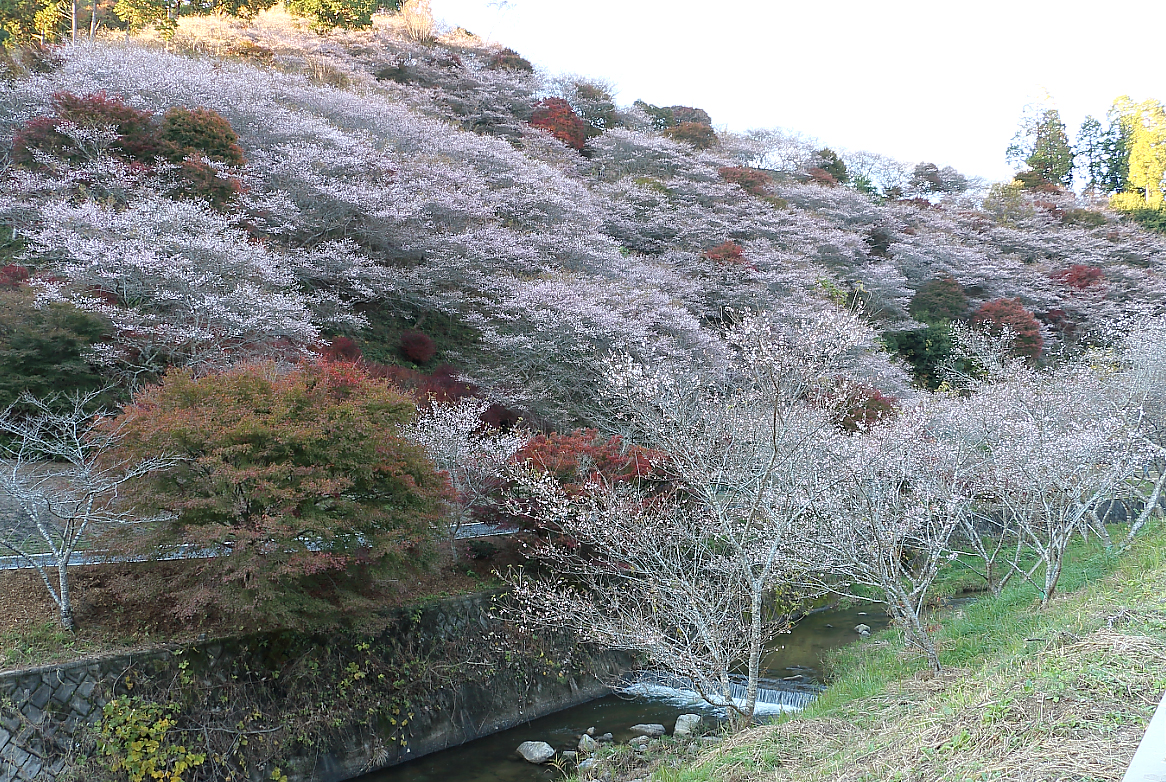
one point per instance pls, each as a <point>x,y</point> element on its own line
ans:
<point>1028,695</point>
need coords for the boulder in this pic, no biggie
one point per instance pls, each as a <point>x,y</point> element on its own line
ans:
<point>862,629</point>
<point>686,724</point>
<point>607,738</point>
<point>591,731</point>
<point>537,752</point>
<point>587,744</point>
<point>651,729</point>
<point>588,763</point>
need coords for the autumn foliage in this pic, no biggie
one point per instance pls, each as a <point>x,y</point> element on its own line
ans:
<point>696,134</point>
<point>135,139</point>
<point>556,116</point>
<point>294,480</point>
<point>195,139</point>
<point>866,407</point>
<point>995,315</point>
<point>752,180</point>
<point>13,276</point>
<point>418,347</point>
<point>584,456</point>
<point>727,253</point>
<point>1080,276</point>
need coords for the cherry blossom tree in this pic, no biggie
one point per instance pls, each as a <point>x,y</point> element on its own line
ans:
<point>901,494</point>
<point>473,457</point>
<point>685,578</point>
<point>1051,447</point>
<point>59,464</point>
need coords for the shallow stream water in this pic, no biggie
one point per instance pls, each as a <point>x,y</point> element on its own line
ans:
<point>796,655</point>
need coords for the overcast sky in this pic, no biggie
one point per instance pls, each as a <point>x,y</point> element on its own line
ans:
<point>931,80</point>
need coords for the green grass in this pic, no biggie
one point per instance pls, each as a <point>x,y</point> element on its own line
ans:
<point>1026,693</point>
<point>982,630</point>
<point>43,642</point>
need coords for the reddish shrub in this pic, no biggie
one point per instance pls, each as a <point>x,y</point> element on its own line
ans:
<point>865,408</point>
<point>821,176</point>
<point>441,385</point>
<point>727,252</point>
<point>1080,276</point>
<point>202,132</point>
<point>557,117</point>
<point>583,457</point>
<point>995,315</point>
<point>13,276</point>
<point>696,134</point>
<point>1052,208</point>
<point>1061,321</point>
<point>341,349</point>
<point>501,417</point>
<point>136,139</point>
<point>751,180</point>
<point>510,60</point>
<point>417,347</point>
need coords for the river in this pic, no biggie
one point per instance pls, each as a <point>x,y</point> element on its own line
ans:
<point>797,654</point>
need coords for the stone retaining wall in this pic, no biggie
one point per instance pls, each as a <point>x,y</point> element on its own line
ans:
<point>43,711</point>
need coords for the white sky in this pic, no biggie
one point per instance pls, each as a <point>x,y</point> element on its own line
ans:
<point>931,80</point>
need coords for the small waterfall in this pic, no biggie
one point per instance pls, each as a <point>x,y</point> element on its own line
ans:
<point>773,695</point>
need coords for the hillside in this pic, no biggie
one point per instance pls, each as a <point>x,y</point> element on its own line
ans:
<point>388,185</point>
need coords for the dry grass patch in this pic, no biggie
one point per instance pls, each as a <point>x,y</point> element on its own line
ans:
<point>1063,694</point>
<point>1070,712</point>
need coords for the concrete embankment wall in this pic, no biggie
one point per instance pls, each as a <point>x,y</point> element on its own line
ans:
<point>49,716</point>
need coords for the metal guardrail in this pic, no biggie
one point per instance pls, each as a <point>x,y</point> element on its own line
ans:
<point>466,532</point>
<point>1149,763</point>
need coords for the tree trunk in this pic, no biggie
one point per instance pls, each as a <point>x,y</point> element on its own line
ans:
<point>1152,503</point>
<point>755,650</point>
<point>66,600</point>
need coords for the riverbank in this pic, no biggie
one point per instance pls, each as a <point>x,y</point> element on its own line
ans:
<point>1064,693</point>
<point>113,617</point>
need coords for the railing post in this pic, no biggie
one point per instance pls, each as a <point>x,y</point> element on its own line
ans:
<point>1149,763</point>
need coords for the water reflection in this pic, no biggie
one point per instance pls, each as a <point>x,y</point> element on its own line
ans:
<point>796,656</point>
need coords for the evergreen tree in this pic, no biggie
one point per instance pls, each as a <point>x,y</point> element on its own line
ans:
<point>1042,145</point>
<point>1116,146</point>
<point>833,165</point>
<point>1091,155</point>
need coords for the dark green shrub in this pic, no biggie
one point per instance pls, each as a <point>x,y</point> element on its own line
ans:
<point>939,300</point>
<point>833,165</point>
<point>1084,217</point>
<point>925,350</point>
<point>200,132</point>
<point>1150,219</point>
<point>44,350</point>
